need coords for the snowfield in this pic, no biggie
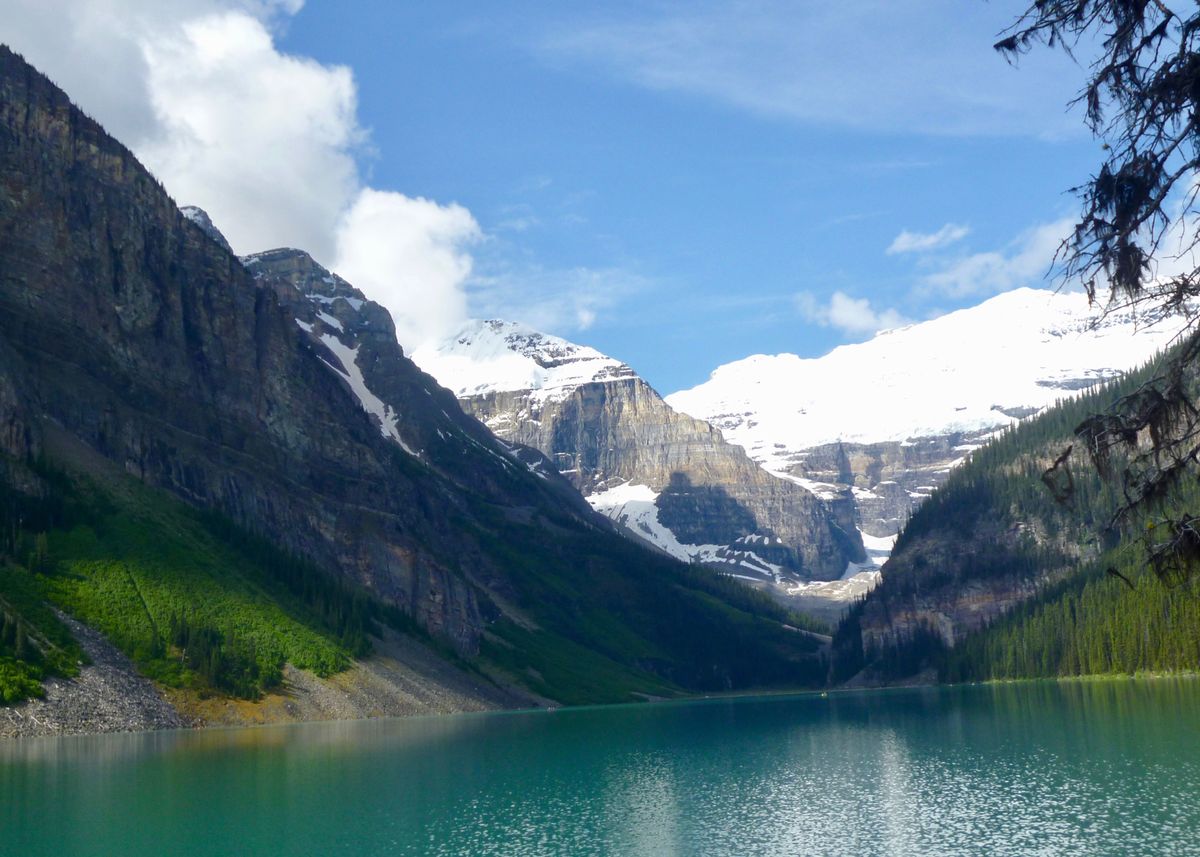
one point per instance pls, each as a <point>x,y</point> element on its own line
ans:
<point>635,507</point>
<point>973,370</point>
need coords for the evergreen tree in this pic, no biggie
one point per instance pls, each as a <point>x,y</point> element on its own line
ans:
<point>1139,209</point>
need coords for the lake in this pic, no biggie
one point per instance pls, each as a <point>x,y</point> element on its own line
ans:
<point>1105,767</point>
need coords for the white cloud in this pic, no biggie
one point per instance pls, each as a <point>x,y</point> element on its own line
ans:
<point>853,316</point>
<point>94,48</point>
<point>923,242</point>
<point>261,140</point>
<point>822,63</point>
<point>560,301</point>
<point>409,255</point>
<point>1026,261</point>
<point>266,142</point>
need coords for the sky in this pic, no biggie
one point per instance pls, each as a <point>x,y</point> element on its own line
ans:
<point>679,185</point>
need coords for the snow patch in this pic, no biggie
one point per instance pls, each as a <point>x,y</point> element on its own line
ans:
<point>845,590</point>
<point>330,320</point>
<point>355,303</point>
<point>371,403</point>
<point>635,507</point>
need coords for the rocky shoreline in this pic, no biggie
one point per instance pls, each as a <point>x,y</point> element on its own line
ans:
<point>402,678</point>
<point>107,696</point>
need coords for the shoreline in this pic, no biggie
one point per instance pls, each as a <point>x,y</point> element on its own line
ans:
<point>109,696</point>
<point>182,722</point>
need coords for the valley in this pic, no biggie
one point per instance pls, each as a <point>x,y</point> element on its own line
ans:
<point>227,477</point>
<point>668,429</point>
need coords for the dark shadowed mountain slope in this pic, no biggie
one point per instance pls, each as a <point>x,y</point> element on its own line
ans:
<point>129,329</point>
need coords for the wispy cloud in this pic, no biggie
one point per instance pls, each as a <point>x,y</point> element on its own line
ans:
<point>555,300</point>
<point>923,242</point>
<point>821,63</point>
<point>854,317</point>
<point>1025,261</point>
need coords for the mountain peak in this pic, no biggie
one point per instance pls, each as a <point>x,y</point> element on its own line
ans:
<point>493,355</point>
<point>200,217</point>
<point>965,371</point>
<point>667,478</point>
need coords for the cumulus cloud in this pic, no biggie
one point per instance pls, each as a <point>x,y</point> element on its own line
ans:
<point>264,141</point>
<point>852,316</point>
<point>409,255</point>
<point>261,140</point>
<point>1026,261</point>
<point>923,242</point>
<point>95,48</point>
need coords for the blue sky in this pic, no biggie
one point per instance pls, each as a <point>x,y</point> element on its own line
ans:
<point>676,184</point>
<point>697,216</point>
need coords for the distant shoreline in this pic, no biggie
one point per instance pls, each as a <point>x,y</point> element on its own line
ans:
<point>162,725</point>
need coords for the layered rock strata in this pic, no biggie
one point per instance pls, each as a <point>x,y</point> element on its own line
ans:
<point>669,478</point>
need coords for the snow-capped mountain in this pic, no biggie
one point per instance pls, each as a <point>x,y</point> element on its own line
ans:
<point>502,356</point>
<point>888,418</point>
<point>668,478</point>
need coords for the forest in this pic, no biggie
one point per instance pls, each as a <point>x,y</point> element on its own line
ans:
<point>1097,609</point>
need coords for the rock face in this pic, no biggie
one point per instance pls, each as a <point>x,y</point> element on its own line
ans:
<point>272,392</point>
<point>132,327</point>
<point>356,339</point>
<point>884,481</point>
<point>882,423</point>
<point>669,478</point>
<point>200,217</point>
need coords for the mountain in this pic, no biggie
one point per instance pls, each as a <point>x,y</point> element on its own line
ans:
<point>206,455</point>
<point>885,421</point>
<point>992,578</point>
<point>668,478</point>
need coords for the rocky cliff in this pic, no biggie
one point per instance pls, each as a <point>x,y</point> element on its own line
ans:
<point>885,481</point>
<point>276,396</point>
<point>669,478</point>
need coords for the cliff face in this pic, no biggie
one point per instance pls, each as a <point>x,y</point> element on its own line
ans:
<point>123,322</point>
<point>885,481</point>
<point>668,477</point>
<point>273,392</point>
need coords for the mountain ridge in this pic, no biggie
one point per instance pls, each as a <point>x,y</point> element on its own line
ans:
<point>939,390</point>
<point>668,478</point>
<point>128,328</point>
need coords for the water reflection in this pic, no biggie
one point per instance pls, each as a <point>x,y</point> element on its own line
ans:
<point>1098,768</point>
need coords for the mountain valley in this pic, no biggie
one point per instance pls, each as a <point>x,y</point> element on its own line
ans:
<point>230,468</point>
<point>228,471</point>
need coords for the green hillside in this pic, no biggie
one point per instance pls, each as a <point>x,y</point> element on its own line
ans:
<point>199,603</point>
<point>168,585</point>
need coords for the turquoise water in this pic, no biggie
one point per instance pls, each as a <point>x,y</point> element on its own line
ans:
<point>1043,768</point>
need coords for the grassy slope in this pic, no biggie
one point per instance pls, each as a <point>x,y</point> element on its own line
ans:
<point>34,644</point>
<point>602,620</point>
<point>133,563</point>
